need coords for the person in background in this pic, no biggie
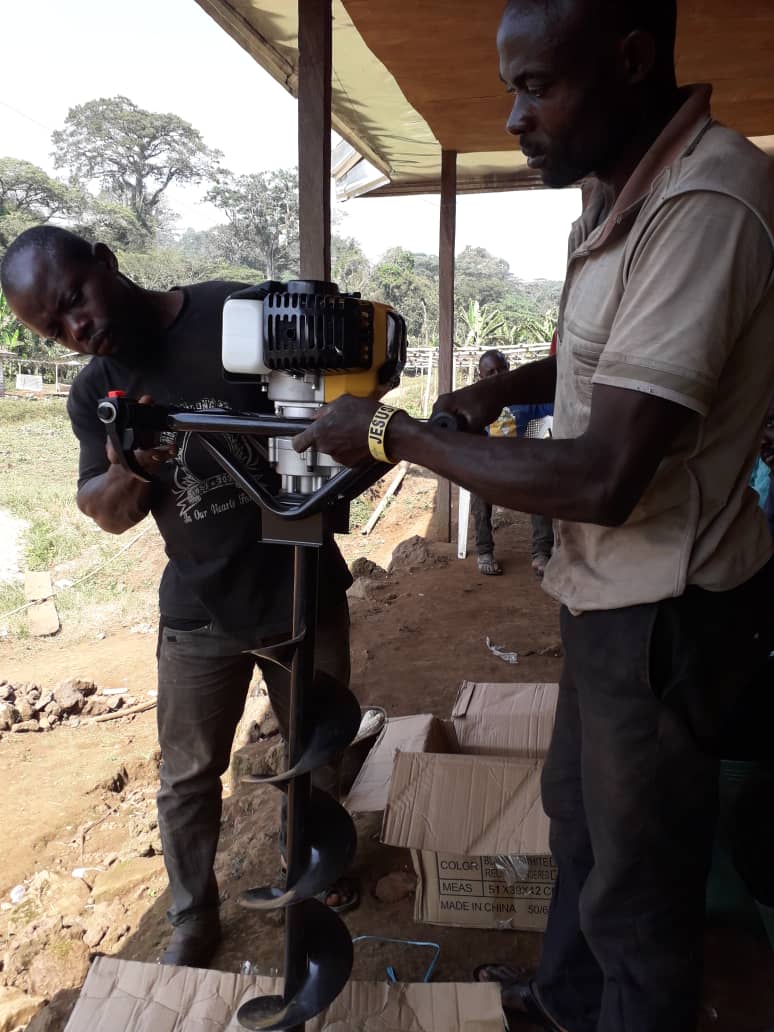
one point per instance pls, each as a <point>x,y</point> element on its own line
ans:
<point>513,421</point>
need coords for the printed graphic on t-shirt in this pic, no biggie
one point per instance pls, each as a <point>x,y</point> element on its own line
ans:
<point>197,476</point>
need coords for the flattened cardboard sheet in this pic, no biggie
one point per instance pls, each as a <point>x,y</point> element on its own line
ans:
<point>467,805</point>
<point>515,720</point>
<point>126,996</point>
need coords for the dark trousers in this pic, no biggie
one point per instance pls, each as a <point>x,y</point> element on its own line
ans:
<point>204,675</point>
<point>630,785</point>
<point>542,530</point>
<point>482,522</point>
<point>542,535</point>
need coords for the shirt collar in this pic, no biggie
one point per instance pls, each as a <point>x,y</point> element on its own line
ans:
<point>678,139</point>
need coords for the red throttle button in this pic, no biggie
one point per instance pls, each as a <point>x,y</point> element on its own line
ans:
<point>116,394</point>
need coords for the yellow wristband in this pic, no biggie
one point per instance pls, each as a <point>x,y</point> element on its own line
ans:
<point>378,429</point>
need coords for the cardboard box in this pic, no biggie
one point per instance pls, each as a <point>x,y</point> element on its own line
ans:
<point>420,733</point>
<point>126,996</point>
<point>483,891</point>
<point>472,815</point>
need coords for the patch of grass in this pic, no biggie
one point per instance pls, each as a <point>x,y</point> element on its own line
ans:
<point>359,512</point>
<point>38,475</point>
<point>38,459</point>
<point>51,540</point>
<point>11,597</point>
<point>411,393</point>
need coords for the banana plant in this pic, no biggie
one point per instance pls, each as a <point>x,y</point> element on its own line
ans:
<point>485,323</point>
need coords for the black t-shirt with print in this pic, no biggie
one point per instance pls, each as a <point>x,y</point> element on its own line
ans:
<point>218,567</point>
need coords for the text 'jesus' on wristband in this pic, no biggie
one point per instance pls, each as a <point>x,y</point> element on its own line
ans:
<point>377,431</point>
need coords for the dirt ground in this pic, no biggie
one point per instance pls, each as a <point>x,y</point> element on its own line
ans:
<point>77,797</point>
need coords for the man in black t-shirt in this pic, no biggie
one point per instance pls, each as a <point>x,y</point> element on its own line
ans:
<point>223,592</point>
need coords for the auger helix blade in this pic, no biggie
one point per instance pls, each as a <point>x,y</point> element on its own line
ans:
<point>332,843</point>
<point>333,719</point>
<point>328,947</point>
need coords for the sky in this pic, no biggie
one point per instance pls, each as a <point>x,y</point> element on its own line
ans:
<point>168,55</point>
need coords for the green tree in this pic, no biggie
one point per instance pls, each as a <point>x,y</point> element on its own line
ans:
<point>133,154</point>
<point>262,227</point>
<point>480,276</point>
<point>162,268</point>
<point>15,337</point>
<point>349,266</point>
<point>29,196</point>
<point>485,323</point>
<point>535,328</point>
<point>415,295</point>
<point>103,219</point>
<point>11,330</point>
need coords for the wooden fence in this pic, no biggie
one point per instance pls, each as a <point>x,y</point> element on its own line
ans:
<point>421,364</point>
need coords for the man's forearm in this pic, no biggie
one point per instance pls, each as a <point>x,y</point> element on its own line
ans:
<point>531,384</point>
<point>115,500</point>
<point>556,478</point>
<point>482,402</point>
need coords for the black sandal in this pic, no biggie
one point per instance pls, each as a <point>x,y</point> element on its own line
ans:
<point>521,984</point>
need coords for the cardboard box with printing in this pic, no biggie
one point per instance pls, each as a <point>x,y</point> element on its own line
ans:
<point>470,810</point>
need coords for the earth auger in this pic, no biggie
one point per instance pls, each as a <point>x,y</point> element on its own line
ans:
<point>304,343</point>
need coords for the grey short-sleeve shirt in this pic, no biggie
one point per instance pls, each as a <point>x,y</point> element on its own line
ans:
<point>672,294</point>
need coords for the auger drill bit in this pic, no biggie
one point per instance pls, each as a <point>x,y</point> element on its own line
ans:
<point>324,717</point>
<point>332,719</point>
<point>332,841</point>
<point>325,943</point>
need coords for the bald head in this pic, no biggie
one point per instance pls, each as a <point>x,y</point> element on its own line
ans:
<point>51,243</point>
<point>620,17</point>
<point>66,289</point>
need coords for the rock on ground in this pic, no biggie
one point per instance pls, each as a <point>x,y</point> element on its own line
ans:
<point>68,697</point>
<point>26,726</point>
<point>395,886</point>
<point>26,707</point>
<point>16,1009</point>
<point>257,720</point>
<point>9,716</point>
<point>106,924</point>
<point>54,1016</point>
<point>63,964</point>
<point>77,684</point>
<point>264,757</point>
<point>362,588</point>
<point>364,567</point>
<point>121,878</point>
<point>414,551</point>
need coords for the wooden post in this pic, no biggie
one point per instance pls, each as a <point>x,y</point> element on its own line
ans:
<point>446,311</point>
<point>315,69</point>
